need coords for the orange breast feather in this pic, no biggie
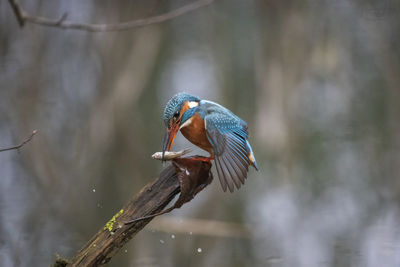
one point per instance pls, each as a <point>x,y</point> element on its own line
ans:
<point>195,132</point>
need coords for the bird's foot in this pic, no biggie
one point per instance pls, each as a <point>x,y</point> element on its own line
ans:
<point>201,158</point>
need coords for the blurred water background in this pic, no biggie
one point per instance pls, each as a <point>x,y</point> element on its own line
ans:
<point>317,81</point>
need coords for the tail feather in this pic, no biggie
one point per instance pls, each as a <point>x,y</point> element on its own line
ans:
<point>251,156</point>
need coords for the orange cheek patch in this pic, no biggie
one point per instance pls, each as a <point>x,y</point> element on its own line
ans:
<point>185,107</point>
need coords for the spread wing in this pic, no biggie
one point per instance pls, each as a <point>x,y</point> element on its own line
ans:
<point>228,136</point>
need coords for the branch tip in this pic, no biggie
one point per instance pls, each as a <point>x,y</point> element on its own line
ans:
<point>21,144</point>
<point>63,23</point>
<point>19,14</point>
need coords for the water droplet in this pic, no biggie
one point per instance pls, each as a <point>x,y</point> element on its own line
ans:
<point>161,241</point>
<point>126,250</point>
<point>94,190</point>
<point>173,236</point>
<point>190,233</point>
<point>199,250</point>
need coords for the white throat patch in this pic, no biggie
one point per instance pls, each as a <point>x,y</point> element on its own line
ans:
<point>186,123</point>
<point>193,104</point>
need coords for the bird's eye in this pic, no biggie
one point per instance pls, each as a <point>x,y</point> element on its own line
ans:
<point>176,115</point>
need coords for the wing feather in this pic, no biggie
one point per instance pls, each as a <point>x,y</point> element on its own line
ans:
<point>240,157</point>
<point>221,175</point>
<point>241,164</point>
<point>226,173</point>
<point>238,176</point>
<point>228,134</point>
<point>239,149</point>
<point>232,171</point>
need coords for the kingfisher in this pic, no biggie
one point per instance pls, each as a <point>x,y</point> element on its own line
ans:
<point>214,129</point>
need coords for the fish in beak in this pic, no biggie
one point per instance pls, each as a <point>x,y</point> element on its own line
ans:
<point>169,138</point>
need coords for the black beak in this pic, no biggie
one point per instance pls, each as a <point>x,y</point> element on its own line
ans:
<point>169,138</point>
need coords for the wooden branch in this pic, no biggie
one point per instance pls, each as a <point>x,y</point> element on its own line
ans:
<point>18,12</point>
<point>152,199</point>
<point>21,144</point>
<point>24,17</point>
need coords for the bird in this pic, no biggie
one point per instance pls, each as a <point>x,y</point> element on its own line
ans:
<point>214,129</point>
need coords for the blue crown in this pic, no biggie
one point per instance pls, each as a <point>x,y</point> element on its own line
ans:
<point>175,105</point>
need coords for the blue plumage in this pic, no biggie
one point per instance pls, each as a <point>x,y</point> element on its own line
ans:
<point>226,133</point>
<point>175,104</point>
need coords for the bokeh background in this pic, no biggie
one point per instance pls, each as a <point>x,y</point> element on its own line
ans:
<point>317,81</point>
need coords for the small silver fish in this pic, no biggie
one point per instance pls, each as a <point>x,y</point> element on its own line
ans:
<point>170,154</point>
